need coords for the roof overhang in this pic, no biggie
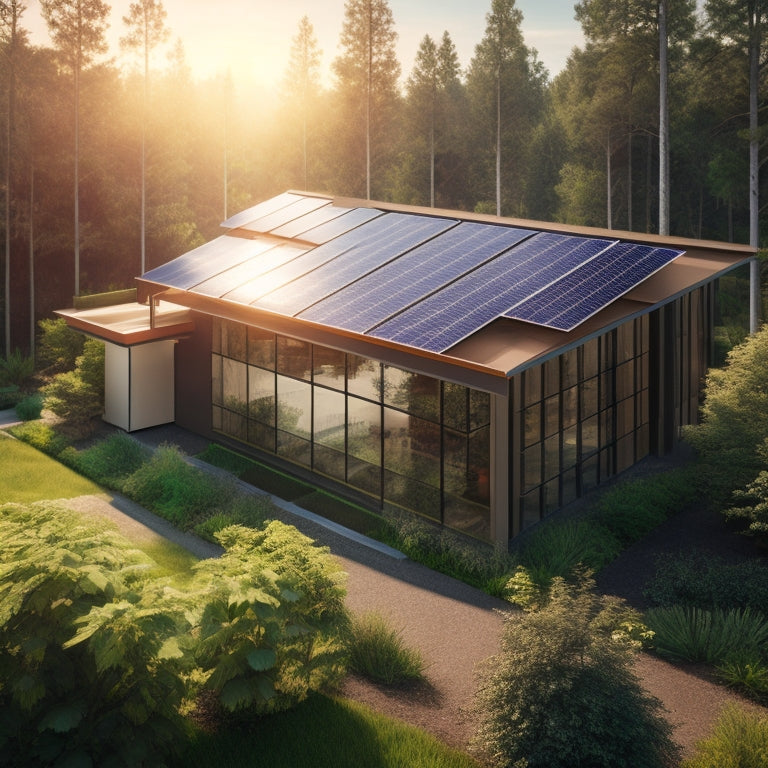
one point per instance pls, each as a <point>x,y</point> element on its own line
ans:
<point>131,324</point>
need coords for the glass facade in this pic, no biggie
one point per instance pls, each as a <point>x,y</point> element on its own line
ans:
<point>583,416</point>
<point>407,440</point>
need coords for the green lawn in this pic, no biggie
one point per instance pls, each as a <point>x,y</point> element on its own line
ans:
<point>27,475</point>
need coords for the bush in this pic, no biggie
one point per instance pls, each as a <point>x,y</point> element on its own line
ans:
<point>705,581</point>
<point>694,634</point>
<point>271,619</point>
<point>739,740</point>
<point>633,509</point>
<point>111,461</point>
<point>562,692</point>
<point>41,436</point>
<point>86,678</point>
<point>30,407</point>
<point>16,369</point>
<point>746,671</point>
<point>751,505</point>
<point>734,416</point>
<point>77,396</point>
<point>169,486</point>
<point>59,346</point>
<point>377,651</point>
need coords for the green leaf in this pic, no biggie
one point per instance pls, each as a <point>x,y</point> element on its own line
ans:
<point>236,694</point>
<point>261,659</point>
<point>170,649</point>
<point>63,718</point>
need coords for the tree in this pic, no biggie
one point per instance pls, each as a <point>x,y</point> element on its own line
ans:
<point>562,692</point>
<point>367,72</point>
<point>146,30</point>
<point>77,27</point>
<point>302,83</point>
<point>433,83</point>
<point>12,38</point>
<point>506,82</point>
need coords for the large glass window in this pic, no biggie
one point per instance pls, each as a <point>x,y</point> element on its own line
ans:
<point>408,440</point>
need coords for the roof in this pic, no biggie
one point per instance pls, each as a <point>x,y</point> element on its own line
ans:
<point>480,292</point>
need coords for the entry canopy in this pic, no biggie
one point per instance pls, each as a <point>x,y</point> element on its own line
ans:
<point>431,280</point>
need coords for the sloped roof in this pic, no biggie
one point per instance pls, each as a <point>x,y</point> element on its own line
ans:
<point>439,284</point>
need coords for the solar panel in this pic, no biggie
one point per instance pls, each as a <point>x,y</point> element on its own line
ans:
<point>332,266</point>
<point>240,283</point>
<point>206,261</point>
<point>309,221</point>
<point>260,209</point>
<point>573,299</point>
<point>285,214</point>
<point>413,276</point>
<point>340,225</point>
<point>451,314</point>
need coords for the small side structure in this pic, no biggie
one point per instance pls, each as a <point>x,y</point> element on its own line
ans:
<point>479,371</point>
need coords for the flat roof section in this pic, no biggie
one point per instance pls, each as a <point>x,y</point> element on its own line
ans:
<point>131,324</point>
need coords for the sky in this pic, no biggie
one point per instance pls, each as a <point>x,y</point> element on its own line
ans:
<point>252,38</point>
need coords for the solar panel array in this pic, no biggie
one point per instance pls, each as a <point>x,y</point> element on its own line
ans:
<point>413,279</point>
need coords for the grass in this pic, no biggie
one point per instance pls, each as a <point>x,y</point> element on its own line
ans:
<point>322,732</point>
<point>26,475</point>
<point>292,489</point>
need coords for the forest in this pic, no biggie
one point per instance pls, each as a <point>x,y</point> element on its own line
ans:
<point>115,162</point>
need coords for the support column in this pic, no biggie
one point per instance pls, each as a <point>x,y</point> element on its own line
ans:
<point>499,469</point>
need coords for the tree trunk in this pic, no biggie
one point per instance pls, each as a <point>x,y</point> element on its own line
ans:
<point>754,223</point>
<point>663,123</point>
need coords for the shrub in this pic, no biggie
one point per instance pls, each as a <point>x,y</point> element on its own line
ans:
<point>16,369</point>
<point>59,346</point>
<point>562,692</point>
<point>694,634</point>
<point>77,396</point>
<point>751,505</point>
<point>166,484</point>
<point>558,547</point>
<point>703,580</point>
<point>747,671</point>
<point>377,651</point>
<point>739,740</point>
<point>41,436</point>
<point>30,407</point>
<point>633,509</point>
<point>111,461</point>
<point>734,415</point>
<point>271,619</point>
<point>86,676</point>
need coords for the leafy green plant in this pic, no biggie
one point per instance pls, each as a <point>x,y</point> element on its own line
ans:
<point>562,692</point>
<point>701,579</point>
<point>377,651</point>
<point>695,634</point>
<point>30,407</point>
<point>633,509</point>
<point>179,492</point>
<point>739,740</point>
<point>751,505</point>
<point>58,346</point>
<point>16,369</point>
<point>271,619</point>
<point>111,461</point>
<point>77,396</point>
<point>747,671</point>
<point>559,547</point>
<point>86,675</point>
<point>41,436</point>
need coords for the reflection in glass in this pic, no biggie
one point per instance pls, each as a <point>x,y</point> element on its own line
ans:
<point>552,415</point>
<point>261,395</point>
<point>233,340</point>
<point>532,467</point>
<point>364,430</point>
<point>295,448</point>
<point>412,392</point>
<point>532,385</point>
<point>411,494</point>
<point>216,380</point>
<point>412,447</point>
<point>294,406</point>
<point>364,377</point>
<point>455,406</point>
<point>234,385</point>
<point>329,419</point>
<point>328,367</point>
<point>261,348</point>
<point>479,409</point>
<point>294,357</point>
<point>533,424</point>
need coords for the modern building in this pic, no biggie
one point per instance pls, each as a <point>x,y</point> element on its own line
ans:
<point>478,371</point>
